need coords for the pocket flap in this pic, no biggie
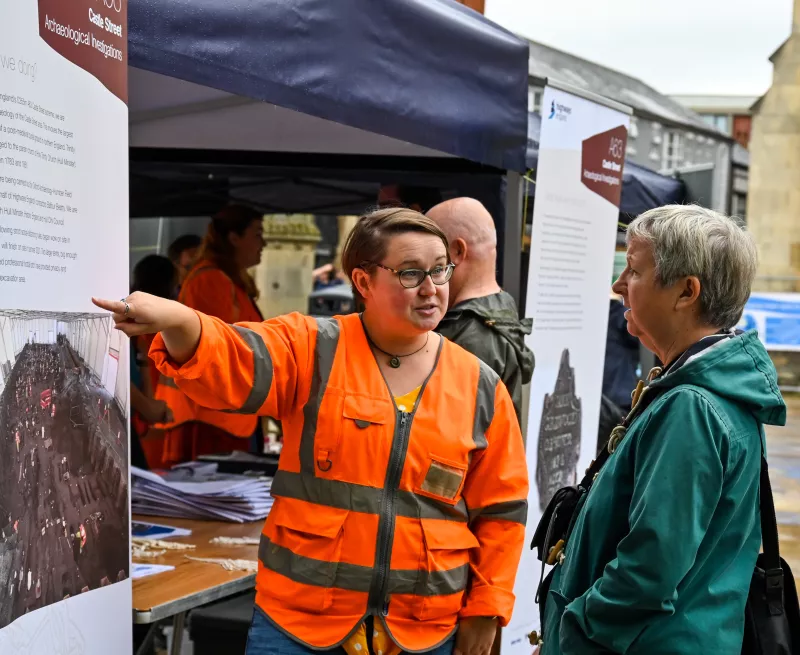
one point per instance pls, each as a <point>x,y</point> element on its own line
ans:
<point>362,409</point>
<point>327,522</point>
<point>448,535</point>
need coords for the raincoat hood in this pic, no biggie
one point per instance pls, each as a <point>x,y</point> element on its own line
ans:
<point>738,369</point>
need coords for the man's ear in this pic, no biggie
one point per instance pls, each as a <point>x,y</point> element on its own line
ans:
<point>361,281</point>
<point>689,292</point>
<point>458,251</point>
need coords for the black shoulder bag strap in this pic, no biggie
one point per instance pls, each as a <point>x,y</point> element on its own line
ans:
<point>769,539</point>
<point>772,612</point>
<point>556,523</point>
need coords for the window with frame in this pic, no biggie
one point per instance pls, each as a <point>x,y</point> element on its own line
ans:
<point>633,131</point>
<point>535,99</point>
<point>658,137</point>
<point>673,150</point>
<point>739,206</point>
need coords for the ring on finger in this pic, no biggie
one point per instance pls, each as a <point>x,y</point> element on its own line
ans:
<point>127,306</point>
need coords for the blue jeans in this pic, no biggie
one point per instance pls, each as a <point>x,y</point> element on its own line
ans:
<point>265,639</point>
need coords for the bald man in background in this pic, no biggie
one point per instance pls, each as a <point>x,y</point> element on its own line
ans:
<point>482,318</point>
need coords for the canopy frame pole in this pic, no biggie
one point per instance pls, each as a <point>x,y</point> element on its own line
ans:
<point>512,231</point>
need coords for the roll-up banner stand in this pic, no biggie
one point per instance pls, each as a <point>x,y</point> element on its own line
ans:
<point>578,188</point>
<point>64,395</point>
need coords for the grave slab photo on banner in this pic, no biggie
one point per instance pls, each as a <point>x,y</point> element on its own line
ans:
<point>64,371</point>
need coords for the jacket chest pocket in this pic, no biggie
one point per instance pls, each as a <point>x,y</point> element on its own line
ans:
<point>306,549</point>
<point>444,571</point>
<point>360,446</point>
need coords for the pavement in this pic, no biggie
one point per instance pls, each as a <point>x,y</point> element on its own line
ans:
<point>49,488</point>
<point>783,455</point>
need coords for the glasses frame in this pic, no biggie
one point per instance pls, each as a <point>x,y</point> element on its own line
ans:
<point>450,266</point>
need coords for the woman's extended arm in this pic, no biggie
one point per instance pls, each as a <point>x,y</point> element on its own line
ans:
<point>248,368</point>
<point>179,325</point>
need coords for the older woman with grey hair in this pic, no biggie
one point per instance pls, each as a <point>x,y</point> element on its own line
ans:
<point>662,548</point>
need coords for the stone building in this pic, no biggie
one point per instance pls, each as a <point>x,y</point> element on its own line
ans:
<point>774,195</point>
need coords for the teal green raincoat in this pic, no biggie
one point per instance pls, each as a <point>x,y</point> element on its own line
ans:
<point>663,547</point>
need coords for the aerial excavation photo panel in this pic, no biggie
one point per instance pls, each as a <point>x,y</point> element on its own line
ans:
<point>63,458</point>
<point>65,587</point>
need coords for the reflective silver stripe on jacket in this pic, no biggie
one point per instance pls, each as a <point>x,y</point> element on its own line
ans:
<point>352,577</point>
<point>484,405</point>
<point>262,372</point>
<point>515,511</point>
<point>360,498</point>
<point>324,352</point>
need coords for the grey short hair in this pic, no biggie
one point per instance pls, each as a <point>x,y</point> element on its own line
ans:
<point>688,240</point>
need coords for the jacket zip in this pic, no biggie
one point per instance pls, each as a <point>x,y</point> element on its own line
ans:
<point>379,597</point>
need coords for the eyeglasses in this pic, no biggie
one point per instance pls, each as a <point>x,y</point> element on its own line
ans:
<point>411,278</point>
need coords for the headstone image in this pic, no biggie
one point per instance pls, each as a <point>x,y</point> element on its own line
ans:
<point>559,435</point>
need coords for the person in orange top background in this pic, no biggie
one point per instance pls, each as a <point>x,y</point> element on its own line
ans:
<point>219,285</point>
<point>400,498</point>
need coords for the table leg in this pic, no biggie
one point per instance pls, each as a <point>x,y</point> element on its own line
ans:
<point>147,643</point>
<point>177,633</point>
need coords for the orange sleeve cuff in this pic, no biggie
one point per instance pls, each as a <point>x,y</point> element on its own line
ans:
<point>489,601</point>
<point>192,369</point>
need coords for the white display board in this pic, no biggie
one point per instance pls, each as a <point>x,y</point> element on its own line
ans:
<point>64,372</point>
<point>578,189</point>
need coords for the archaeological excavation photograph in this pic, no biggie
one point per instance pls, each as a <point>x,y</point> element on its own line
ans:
<point>63,457</point>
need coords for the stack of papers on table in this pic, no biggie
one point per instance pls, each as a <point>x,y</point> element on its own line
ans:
<point>201,495</point>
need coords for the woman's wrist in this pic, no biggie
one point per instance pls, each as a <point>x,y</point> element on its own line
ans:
<point>183,336</point>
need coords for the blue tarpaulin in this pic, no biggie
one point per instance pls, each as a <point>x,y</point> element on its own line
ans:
<point>428,72</point>
<point>642,189</point>
<point>776,316</point>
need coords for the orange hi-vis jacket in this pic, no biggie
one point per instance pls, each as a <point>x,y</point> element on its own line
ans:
<point>417,518</point>
<point>208,289</point>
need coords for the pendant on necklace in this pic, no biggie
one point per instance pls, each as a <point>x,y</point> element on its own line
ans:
<point>394,362</point>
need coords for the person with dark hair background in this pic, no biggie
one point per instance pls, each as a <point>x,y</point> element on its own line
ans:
<point>219,285</point>
<point>155,275</point>
<point>183,253</point>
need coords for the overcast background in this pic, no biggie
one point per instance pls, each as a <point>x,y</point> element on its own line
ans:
<point>677,46</point>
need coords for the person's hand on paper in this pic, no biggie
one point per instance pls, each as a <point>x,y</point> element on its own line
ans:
<point>140,313</point>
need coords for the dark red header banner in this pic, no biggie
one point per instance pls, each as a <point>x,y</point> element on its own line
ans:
<point>92,34</point>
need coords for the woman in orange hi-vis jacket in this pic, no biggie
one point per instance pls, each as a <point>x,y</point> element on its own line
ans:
<point>400,500</point>
<point>217,285</point>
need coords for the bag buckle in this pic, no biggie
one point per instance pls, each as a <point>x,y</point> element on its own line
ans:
<point>774,583</point>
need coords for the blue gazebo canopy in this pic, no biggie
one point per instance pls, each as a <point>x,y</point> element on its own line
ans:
<point>428,72</point>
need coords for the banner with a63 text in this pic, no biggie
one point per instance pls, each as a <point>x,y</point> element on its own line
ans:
<point>578,189</point>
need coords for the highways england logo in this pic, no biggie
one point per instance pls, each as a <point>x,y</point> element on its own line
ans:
<point>559,112</point>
